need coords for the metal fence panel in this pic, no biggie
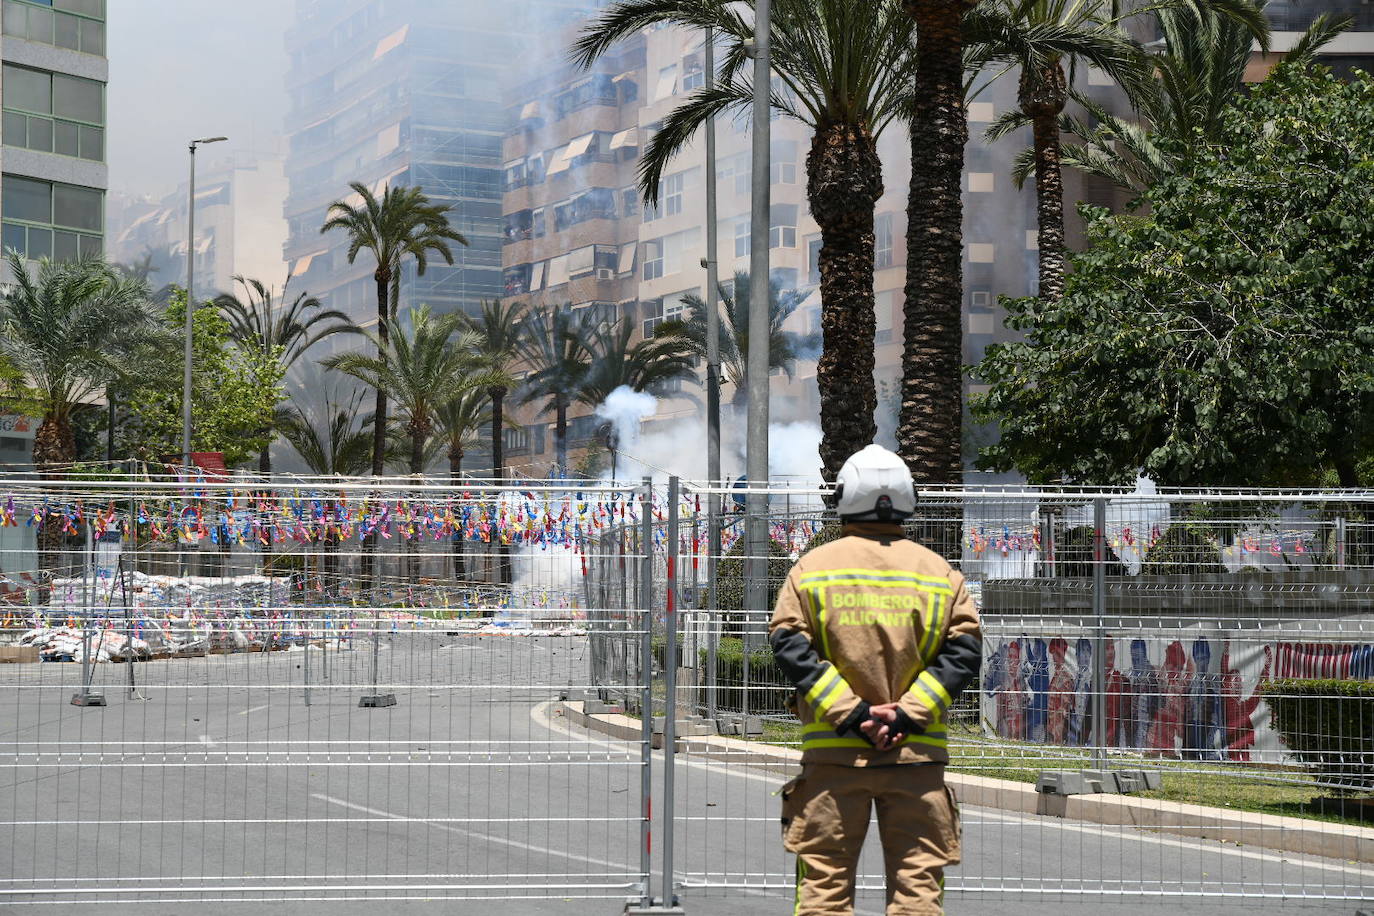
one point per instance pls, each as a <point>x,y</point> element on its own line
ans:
<point>1184,617</point>
<point>243,703</point>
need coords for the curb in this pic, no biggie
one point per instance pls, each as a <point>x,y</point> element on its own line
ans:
<point>1243,828</point>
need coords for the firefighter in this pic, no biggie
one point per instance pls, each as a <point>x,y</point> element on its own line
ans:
<point>879,636</point>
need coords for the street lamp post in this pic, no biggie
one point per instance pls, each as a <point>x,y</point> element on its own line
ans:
<point>756,454</point>
<point>190,302</point>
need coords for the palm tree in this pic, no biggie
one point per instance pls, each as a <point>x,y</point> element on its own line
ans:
<point>403,222</point>
<point>1045,40</point>
<point>458,424</point>
<point>845,70</point>
<point>648,365</point>
<point>1197,73</point>
<point>256,323</point>
<point>498,329</point>
<point>930,428</point>
<point>67,330</point>
<point>341,445</point>
<point>784,347</point>
<point>420,370</point>
<point>555,344</point>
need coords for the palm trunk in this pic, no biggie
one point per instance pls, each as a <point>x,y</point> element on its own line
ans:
<point>369,552</point>
<point>844,181</point>
<point>54,450</point>
<point>929,432</point>
<point>1043,100</point>
<point>455,474</point>
<point>560,433</point>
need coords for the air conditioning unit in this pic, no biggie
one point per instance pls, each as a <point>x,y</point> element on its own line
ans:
<point>605,273</point>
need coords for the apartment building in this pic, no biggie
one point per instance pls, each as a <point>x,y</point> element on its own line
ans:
<point>235,234</point>
<point>402,92</point>
<point>53,176</point>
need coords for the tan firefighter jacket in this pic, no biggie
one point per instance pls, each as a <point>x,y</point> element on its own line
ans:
<point>868,619</point>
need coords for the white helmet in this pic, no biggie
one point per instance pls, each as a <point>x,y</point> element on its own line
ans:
<point>875,485</point>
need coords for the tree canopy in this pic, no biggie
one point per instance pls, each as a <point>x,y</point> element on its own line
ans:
<point>1222,334</point>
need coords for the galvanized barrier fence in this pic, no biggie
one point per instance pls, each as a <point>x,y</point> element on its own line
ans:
<point>230,690</point>
<point>303,689</point>
<point>1209,656</point>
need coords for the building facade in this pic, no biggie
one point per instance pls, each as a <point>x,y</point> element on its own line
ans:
<point>53,177</point>
<point>235,234</point>
<point>402,92</point>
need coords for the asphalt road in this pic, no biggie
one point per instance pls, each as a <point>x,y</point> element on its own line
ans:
<point>217,790</point>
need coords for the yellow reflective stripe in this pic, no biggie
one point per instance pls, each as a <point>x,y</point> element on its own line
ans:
<point>935,628</point>
<point>835,742</point>
<point>820,623</point>
<point>890,574</point>
<point>822,683</point>
<point>934,691</point>
<point>879,583</point>
<point>801,876</point>
<point>829,698</point>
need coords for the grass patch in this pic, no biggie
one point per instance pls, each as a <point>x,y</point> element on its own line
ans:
<point>1285,792</point>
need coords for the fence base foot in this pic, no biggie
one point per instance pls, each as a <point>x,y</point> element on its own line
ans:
<point>88,699</point>
<point>377,700</point>
<point>654,909</point>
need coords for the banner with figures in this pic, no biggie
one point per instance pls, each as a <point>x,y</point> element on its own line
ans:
<point>1193,697</point>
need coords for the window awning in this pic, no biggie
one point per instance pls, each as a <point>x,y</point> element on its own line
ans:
<point>626,138</point>
<point>667,83</point>
<point>303,263</point>
<point>380,187</point>
<point>391,42</point>
<point>623,76</point>
<point>204,244</point>
<point>558,271</point>
<point>530,111</point>
<point>560,162</point>
<point>537,276</point>
<point>627,258</point>
<point>579,146</point>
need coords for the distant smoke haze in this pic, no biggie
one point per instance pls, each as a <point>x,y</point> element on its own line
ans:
<point>184,69</point>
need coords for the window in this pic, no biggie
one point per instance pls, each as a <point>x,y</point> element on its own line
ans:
<point>517,440</point>
<point>884,306</point>
<point>78,104</point>
<point>517,280</point>
<point>813,260</point>
<point>668,308</point>
<point>670,193</point>
<point>734,169</point>
<point>782,226</point>
<point>782,164</point>
<point>742,238</point>
<point>667,83</point>
<point>653,259</point>
<point>882,241</point>
<point>593,203</point>
<point>581,261</point>
<point>982,182</point>
<point>71,24</point>
<point>693,71</point>
<point>664,256</point>
<point>48,219</point>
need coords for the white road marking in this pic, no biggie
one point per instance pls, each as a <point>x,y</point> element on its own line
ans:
<point>256,709</point>
<point>205,740</point>
<point>544,850</point>
<point>1142,835</point>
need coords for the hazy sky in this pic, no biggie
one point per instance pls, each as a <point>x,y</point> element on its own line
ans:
<point>183,69</point>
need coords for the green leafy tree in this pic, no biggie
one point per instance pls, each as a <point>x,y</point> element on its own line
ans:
<point>784,347</point>
<point>555,344</point>
<point>844,69</point>
<point>1224,337</point>
<point>259,322</point>
<point>401,223</point>
<point>234,392</point>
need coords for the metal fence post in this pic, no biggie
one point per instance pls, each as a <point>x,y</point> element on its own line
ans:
<point>1340,542</point>
<point>646,701</point>
<point>1100,635</point>
<point>670,691</point>
<point>713,599</point>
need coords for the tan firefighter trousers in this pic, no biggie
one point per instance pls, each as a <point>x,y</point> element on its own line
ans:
<point>825,813</point>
